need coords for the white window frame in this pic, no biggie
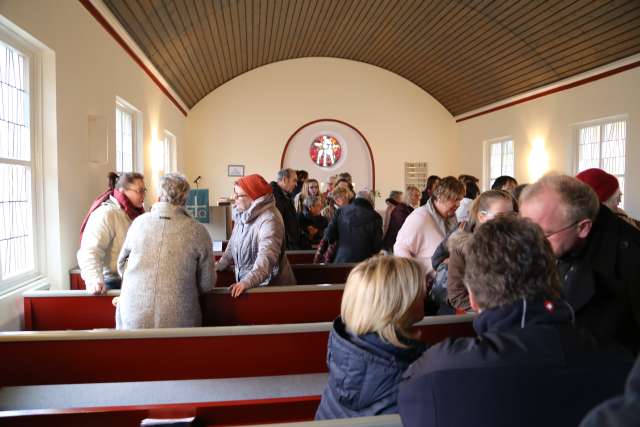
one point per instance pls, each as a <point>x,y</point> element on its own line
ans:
<point>487,158</point>
<point>136,135</point>
<point>169,150</point>
<point>10,36</point>
<point>601,122</point>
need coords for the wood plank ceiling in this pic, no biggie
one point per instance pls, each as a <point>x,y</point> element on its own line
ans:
<point>466,54</point>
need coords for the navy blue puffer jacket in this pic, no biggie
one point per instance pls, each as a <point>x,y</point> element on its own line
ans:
<point>364,372</point>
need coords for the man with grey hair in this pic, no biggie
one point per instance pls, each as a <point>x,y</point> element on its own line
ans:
<point>597,256</point>
<point>286,181</point>
<point>529,365</point>
<point>166,262</point>
<point>357,228</point>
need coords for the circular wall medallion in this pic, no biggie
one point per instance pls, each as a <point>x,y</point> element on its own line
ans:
<point>325,151</point>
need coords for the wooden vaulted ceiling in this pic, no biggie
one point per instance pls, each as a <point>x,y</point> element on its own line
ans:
<point>466,54</point>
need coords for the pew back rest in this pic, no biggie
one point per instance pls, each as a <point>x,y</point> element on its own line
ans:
<point>77,310</point>
<point>69,357</point>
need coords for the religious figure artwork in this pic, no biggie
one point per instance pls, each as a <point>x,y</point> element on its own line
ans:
<point>325,151</point>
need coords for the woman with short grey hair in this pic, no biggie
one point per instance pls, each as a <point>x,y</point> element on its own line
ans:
<point>166,262</point>
<point>174,189</point>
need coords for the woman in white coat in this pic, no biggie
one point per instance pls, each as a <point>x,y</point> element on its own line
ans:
<point>104,228</point>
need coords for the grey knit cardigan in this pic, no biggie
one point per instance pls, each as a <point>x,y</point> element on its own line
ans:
<point>166,262</point>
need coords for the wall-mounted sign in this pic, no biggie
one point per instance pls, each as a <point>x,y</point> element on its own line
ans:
<point>235,170</point>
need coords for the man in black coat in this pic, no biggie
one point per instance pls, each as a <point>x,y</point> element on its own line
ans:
<point>282,188</point>
<point>621,411</point>
<point>529,364</point>
<point>598,256</point>
<point>357,228</point>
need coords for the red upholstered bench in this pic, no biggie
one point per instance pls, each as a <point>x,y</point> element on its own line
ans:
<point>76,310</point>
<point>73,357</point>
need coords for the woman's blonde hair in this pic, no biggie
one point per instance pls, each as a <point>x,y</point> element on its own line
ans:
<point>304,193</point>
<point>378,296</point>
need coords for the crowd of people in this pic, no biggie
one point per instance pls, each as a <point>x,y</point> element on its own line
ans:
<point>550,269</point>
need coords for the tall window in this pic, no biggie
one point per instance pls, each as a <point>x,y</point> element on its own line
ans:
<point>169,152</point>
<point>602,145</point>
<point>501,159</point>
<point>125,137</point>
<point>17,256</point>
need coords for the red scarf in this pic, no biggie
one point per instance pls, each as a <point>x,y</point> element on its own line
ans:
<point>125,204</point>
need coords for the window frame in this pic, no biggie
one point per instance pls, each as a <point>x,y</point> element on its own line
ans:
<point>136,134</point>
<point>36,164</point>
<point>487,158</point>
<point>169,150</point>
<point>577,127</point>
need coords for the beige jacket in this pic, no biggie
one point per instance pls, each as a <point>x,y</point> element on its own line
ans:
<point>101,242</point>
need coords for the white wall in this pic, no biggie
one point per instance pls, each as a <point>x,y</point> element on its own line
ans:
<point>249,119</point>
<point>91,70</point>
<point>552,118</point>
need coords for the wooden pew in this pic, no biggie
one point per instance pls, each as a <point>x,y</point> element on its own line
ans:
<point>30,358</point>
<point>275,412</point>
<point>377,421</point>
<point>294,256</point>
<point>77,310</point>
<point>226,413</point>
<point>306,274</point>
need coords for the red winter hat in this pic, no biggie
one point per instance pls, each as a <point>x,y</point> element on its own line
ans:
<point>603,183</point>
<point>254,185</point>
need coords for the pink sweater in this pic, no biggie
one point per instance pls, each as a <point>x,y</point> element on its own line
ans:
<point>421,234</point>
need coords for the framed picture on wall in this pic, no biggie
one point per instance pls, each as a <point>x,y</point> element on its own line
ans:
<point>235,170</point>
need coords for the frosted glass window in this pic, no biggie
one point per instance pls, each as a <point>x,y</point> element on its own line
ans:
<point>602,145</point>
<point>124,139</point>
<point>501,159</point>
<point>17,256</point>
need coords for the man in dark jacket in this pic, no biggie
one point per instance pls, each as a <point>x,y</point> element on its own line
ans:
<point>597,255</point>
<point>529,365</point>
<point>358,230</point>
<point>282,188</point>
<point>621,411</point>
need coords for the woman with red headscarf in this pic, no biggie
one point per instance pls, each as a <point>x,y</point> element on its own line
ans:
<point>256,247</point>
<point>104,228</point>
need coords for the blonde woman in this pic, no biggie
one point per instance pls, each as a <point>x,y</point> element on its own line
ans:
<point>309,188</point>
<point>371,343</point>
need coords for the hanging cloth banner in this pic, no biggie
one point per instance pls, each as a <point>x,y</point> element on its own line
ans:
<point>198,204</point>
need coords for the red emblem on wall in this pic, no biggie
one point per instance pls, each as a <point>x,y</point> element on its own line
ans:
<point>325,151</point>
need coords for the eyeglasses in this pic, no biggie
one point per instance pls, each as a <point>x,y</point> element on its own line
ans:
<point>142,191</point>
<point>239,196</point>
<point>553,233</point>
